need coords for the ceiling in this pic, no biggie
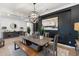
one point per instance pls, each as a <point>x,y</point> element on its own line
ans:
<point>24,9</point>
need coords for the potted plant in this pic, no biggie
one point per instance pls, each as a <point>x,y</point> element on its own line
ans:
<point>41,31</point>
<point>28,30</point>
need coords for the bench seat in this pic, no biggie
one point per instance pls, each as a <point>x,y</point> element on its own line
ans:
<point>27,50</point>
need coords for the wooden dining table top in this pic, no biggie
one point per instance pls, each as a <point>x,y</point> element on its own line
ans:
<point>40,42</point>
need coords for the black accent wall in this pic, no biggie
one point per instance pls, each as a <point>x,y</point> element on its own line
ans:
<point>66,29</point>
<point>66,19</point>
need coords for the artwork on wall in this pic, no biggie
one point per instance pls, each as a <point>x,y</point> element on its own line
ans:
<point>13,26</point>
<point>21,27</point>
<point>50,24</point>
<point>4,27</point>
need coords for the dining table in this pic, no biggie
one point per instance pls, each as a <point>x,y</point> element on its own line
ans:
<point>37,41</point>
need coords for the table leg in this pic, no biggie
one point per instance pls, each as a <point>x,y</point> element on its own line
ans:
<point>28,43</point>
<point>40,48</point>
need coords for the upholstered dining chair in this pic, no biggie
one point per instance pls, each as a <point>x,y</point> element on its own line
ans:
<point>46,34</point>
<point>51,50</point>
<point>55,44</point>
<point>77,47</point>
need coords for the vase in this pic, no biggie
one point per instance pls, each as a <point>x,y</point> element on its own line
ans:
<point>41,37</point>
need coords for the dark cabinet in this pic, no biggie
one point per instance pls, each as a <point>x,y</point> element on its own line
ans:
<point>12,34</point>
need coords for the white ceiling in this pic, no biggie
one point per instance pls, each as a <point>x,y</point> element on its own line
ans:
<point>23,9</point>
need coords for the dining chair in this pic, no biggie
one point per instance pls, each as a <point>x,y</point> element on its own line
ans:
<point>56,38</point>
<point>77,47</point>
<point>36,34</point>
<point>51,50</point>
<point>46,34</point>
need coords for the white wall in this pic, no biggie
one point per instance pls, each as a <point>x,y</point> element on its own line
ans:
<point>6,21</point>
<point>31,27</point>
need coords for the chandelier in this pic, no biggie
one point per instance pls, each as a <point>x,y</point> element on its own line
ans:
<point>33,17</point>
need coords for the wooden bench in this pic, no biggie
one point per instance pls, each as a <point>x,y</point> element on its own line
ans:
<point>27,50</point>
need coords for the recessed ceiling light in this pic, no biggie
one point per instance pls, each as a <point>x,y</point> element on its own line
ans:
<point>8,14</point>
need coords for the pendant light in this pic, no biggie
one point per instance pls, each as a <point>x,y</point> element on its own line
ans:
<point>34,15</point>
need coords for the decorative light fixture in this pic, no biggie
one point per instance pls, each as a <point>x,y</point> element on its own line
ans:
<point>34,15</point>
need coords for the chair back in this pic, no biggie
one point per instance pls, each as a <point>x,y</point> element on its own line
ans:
<point>55,44</point>
<point>46,34</point>
<point>52,48</point>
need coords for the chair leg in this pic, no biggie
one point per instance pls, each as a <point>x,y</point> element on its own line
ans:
<point>56,51</point>
<point>3,43</point>
<point>53,51</point>
<point>15,46</point>
<point>76,50</point>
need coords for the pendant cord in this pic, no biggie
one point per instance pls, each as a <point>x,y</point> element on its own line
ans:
<point>34,6</point>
